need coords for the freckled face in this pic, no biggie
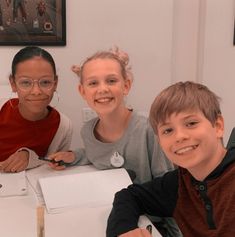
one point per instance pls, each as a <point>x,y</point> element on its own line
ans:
<point>189,140</point>
<point>103,86</point>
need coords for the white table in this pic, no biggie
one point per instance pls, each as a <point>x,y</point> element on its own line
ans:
<point>18,214</point>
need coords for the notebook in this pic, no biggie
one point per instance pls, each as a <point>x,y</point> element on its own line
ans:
<point>90,189</point>
<point>84,197</point>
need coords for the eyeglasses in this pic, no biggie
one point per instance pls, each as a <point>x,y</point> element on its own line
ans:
<point>27,84</point>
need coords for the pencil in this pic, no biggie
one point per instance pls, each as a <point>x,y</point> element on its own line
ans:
<point>40,222</point>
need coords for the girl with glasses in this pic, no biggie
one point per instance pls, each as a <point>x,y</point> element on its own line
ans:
<point>29,126</point>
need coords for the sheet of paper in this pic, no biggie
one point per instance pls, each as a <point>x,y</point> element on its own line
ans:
<point>13,184</point>
<point>43,171</point>
<point>90,189</point>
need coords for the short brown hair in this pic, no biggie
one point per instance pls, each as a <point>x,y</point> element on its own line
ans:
<point>183,96</point>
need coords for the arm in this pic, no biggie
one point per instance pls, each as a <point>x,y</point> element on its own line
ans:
<point>80,153</point>
<point>157,197</point>
<point>16,162</point>
<point>72,158</point>
<point>63,136</point>
<point>60,142</point>
<point>76,157</point>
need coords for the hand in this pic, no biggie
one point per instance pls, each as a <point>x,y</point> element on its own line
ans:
<point>136,233</point>
<point>66,156</point>
<point>16,162</point>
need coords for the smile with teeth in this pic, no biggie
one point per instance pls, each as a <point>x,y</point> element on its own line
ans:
<point>185,149</point>
<point>104,100</point>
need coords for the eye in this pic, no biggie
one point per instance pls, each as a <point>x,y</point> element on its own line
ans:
<point>191,123</point>
<point>112,80</point>
<point>166,131</point>
<point>25,83</point>
<point>91,83</point>
<point>46,83</point>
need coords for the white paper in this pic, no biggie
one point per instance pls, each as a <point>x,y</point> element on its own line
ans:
<point>13,184</point>
<point>90,189</point>
<point>43,171</point>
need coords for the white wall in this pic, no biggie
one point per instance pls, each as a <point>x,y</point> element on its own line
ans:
<point>218,71</point>
<point>186,26</point>
<point>167,40</point>
<point>142,28</point>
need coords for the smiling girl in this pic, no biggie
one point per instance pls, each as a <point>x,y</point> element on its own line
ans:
<point>118,136</point>
<point>29,126</point>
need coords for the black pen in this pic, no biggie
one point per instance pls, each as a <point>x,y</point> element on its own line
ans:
<point>149,228</point>
<point>60,162</point>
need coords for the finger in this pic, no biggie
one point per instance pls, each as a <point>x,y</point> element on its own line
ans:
<point>55,166</point>
<point>56,156</point>
<point>52,165</point>
<point>14,164</point>
<point>5,163</point>
<point>10,167</point>
<point>20,166</point>
<point>145,233</point>
<point>60,167</point>
<point>52,156</point>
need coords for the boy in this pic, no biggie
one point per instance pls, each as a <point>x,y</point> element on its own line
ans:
<point>200,194</point>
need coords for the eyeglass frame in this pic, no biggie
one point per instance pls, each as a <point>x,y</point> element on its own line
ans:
<point>33,83</point>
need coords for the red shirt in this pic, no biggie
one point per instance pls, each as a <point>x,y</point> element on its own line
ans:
<point>17,132</point>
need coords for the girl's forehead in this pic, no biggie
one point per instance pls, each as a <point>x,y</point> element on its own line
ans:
<point>37,60</point>
<point>34,65</point>
<point>96,65</point>
<point>101,62</point>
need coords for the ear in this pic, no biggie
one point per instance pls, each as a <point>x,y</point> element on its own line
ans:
<point>82,91</point>
<point>219,125</point>
<point>13,84</point>
<point>56,82</point>
<point>127,86</point>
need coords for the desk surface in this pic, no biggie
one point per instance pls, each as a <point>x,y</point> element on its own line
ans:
<point>18,214</point>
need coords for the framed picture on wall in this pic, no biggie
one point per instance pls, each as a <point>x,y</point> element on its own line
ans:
<point>33,22</point>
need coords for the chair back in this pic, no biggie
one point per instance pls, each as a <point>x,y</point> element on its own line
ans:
<point>231,140</point>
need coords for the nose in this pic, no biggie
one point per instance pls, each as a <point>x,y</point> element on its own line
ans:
<point>102,88</point>
<point>181,135</point>
<point>36,88</point>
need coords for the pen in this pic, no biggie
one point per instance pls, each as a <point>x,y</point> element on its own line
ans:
<point>149,228</point>
<point>60,162</point>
